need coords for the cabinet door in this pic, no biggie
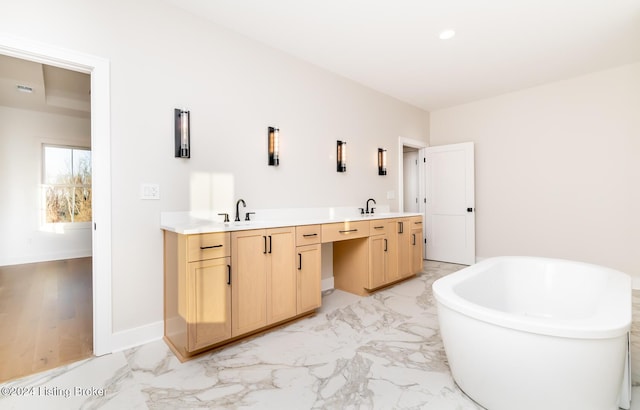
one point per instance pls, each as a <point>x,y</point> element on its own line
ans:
<point>392,251</point>
<point>405,267</point>
<point>209,303</point>
<point>281,277</point>
<point>416,248</point>
<point>378,261</point>
<point>248,281</point>
<point>309,278</point>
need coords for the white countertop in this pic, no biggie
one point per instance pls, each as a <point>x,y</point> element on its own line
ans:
<point>187,223</point>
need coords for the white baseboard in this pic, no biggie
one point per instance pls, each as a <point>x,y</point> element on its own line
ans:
<point>327,284</point>
<point>20,260</point>
<point>137,336</point>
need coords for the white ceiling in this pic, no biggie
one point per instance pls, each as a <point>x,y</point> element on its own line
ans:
<point>393,46</point>
<point>54,90</point>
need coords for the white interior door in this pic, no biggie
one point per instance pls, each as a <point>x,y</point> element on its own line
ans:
<point>450,203</point>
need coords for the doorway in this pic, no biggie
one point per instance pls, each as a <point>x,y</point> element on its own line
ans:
<point>45,252</point>
<point>411,183</point>
<point>98,69</point>
<point>411,189</point>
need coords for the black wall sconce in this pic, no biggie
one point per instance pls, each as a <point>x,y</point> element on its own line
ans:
<point>274,146</point>
<point>382,161</point>
<point>182,133</point>
<point>342,156</point>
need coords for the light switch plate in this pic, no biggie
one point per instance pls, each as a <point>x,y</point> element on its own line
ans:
<point>149,191</point>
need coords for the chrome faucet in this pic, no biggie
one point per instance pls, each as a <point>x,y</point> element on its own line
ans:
<point>238,210</point>
<point>372,208</point>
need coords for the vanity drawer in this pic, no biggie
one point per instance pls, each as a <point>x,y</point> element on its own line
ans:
<point>208,246</point>
<point>416,222</point>
<point>308,234</point>
<point>378,226</point>
<point>345,230</point>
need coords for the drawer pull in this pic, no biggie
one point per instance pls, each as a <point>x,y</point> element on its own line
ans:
<point>307,235</point>
<point>299,261</point>
<point>418,223</point>
<point>228,274</point>
<point>211,247</point>
<point>265,244</point>
<point>385,245</point>
<point>348,230</point>
<point>414,239</point>
<point>401,227</point>
<point>378,227</point>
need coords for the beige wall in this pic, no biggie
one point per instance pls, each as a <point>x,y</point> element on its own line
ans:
<point>162,58</point>
<point>557,168</point>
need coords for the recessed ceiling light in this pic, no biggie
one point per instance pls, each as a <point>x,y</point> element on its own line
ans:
<point>447,34</point>
<point>24,88</point>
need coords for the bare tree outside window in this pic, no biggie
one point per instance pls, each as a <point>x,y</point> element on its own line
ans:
<point>66,184</point>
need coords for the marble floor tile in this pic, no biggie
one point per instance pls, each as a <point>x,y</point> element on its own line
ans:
<point>378,352</point>
<point>105,382</point>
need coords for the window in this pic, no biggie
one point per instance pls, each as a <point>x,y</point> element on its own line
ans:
<point>66,184</point>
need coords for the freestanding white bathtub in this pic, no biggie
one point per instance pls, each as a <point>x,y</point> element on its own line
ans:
<point>537,333</point>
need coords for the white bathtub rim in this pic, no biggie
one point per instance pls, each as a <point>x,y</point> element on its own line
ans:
<point>602,325</point>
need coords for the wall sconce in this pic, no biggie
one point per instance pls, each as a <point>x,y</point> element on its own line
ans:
<point>182,133</point>
<point>342,156</point>
<point>382,161</point>
<point>274,146</point>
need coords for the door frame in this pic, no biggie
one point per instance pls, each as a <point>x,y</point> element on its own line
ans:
<point>98,69</point>
<point>420,146</point>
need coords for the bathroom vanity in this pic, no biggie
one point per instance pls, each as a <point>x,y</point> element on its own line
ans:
<point>227,281</point>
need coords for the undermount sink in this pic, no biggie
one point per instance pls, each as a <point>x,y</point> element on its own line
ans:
<point>241,223</point>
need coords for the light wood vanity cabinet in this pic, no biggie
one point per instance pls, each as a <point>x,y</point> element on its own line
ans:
<point>197,290</point>
<point>209,306</point>
<point>387,255</point>
<point>263,278</point>
<point>381,255</point>
<point>392,254</point>
<point>409,246</point>
<point>220,287</point>
<point>416,244</point>
<point>308,251</point>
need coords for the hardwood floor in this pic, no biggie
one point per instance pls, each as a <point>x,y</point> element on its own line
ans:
<point>46,316</point>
